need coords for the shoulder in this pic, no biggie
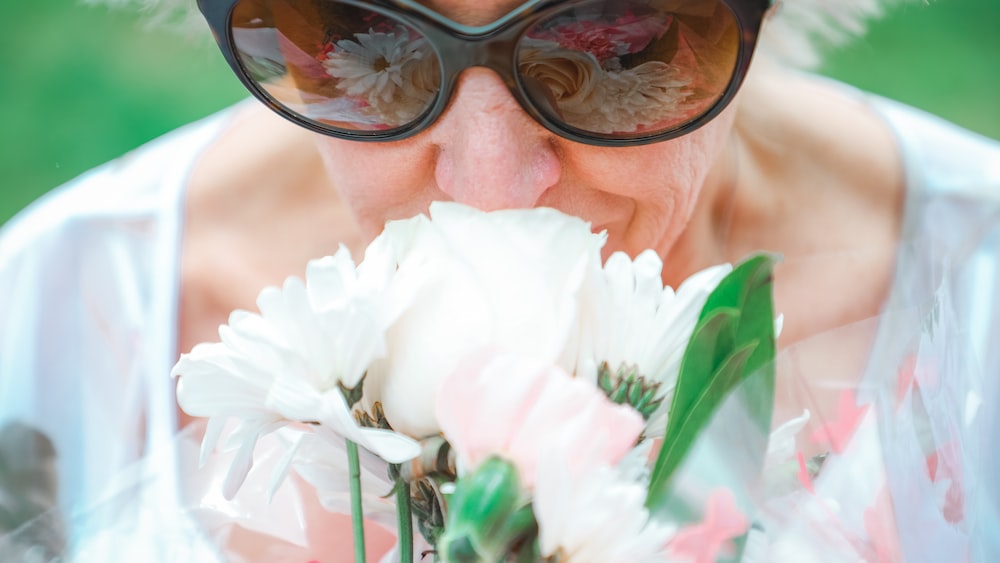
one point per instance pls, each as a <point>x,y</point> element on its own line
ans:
<point>93,235</point>
<point>103,227</point>
<point>950,240</point>
<point>952,178</point>
<point>93,248</point>
<point>87,278</point>
<point>939,156</point>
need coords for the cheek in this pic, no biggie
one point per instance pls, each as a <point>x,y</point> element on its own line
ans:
<point>684,164</point>
<point>379,182</point>
<point>656,187</point>
<point>687,165</point>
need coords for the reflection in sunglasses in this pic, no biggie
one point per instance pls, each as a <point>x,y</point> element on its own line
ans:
<point>394,73</point>
<point>603,100</point>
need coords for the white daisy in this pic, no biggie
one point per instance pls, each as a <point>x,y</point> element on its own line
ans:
<point>322,462</point>
<point>394,72</point>
<point>631,319</point>
<point>292,362</point>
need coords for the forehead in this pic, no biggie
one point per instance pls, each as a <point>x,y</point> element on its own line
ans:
<point>472,12</point>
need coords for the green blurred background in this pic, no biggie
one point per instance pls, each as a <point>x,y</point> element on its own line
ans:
<point>83,84</point>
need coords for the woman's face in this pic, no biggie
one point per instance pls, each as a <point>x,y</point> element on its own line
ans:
<point>485,151</point>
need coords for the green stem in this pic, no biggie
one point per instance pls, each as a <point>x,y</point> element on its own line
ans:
<point>357,513</point>
<point>405,517</point>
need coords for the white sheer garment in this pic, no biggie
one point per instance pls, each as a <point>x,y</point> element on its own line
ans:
<point>89,295</point>
<point>88,306</point>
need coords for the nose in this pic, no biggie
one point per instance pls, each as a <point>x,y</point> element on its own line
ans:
<point>490,153</point>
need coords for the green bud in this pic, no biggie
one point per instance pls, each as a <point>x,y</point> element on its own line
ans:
<point>459,550</point>
<point>627,386</point>
<point>634,392</point>
<point>487,517</point>
<point>604,379</point>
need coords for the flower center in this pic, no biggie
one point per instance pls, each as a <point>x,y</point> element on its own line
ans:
<point>628,386</point>
<point>381,64</point>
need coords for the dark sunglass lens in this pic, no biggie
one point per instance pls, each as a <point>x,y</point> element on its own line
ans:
<point>340,66</point>
<point>630,68</point>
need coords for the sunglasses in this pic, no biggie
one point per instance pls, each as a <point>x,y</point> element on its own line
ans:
<point>601,72</point>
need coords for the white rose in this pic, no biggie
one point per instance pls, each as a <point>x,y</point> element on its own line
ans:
<point>506,280</point>
<point>569,76</point>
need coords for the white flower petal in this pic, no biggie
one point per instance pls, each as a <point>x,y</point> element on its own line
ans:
<point>596,517</point>
<point>288,362</point>
<point>241,464</point>
<point>507,280</point>
<point>781,445</point>
<point>632,319</point>
<point>280,471</point>
<point>213,431</point>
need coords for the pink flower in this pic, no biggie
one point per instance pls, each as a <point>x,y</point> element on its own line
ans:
<point>519,409</point>
<point>603,39</point>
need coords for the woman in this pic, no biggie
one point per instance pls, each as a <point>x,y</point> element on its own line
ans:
<point>874,207</point>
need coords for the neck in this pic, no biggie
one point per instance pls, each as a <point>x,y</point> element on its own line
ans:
<point>825,193</point>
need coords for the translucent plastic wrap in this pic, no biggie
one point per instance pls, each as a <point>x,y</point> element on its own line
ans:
<point>887,460</point>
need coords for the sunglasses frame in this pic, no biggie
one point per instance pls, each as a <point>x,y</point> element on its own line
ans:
<point>493,46</point>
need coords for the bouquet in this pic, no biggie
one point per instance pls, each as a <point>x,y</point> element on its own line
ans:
<point>486,388</point>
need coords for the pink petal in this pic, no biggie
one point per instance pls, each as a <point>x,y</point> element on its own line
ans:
<point>519,408</point>
<point>475,426</point>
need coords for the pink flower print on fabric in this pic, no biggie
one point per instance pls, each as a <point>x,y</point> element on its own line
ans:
<point>838,432</point>
<point>905,376</point>
<point>705,542</point>
<point>945,464</point>
<point>914,375</point>
<point>804,477</point>
<point>522,409</point>
<point>880,525</point>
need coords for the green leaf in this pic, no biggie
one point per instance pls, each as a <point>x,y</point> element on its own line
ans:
<point>748,288</point>
<point>731,347</point>
<point>700,411</point>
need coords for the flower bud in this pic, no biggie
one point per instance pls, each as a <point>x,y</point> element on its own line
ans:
<point>487,518</point>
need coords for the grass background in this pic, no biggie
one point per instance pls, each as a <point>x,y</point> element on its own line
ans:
<point>81,85</point>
